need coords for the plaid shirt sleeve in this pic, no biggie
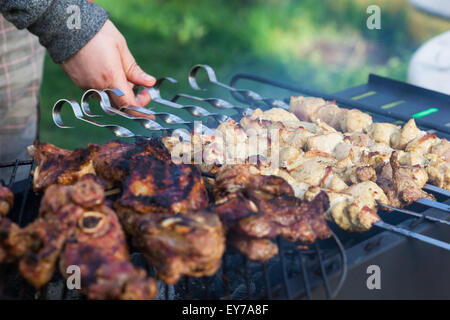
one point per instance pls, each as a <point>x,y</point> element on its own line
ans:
<point>21,62</point>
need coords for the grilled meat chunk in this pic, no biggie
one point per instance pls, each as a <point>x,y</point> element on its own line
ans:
<point>115,159</point>
<point>189,244</point>
<point>6,200</point>
<point>98,247</point>
<point>59,166</point>
<point>403,184</point>
<point>163,187</point>
<point>255,249</point>
<point>263,207</point>
<point>74,224</point>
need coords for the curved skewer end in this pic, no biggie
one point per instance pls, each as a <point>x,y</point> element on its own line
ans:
<point>193,73</point>
<point>56,112</point>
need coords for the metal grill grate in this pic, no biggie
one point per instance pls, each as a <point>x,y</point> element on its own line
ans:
<point>260,280</point>
<point>293,273</point>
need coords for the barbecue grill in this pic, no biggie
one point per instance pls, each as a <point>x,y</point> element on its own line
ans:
<point>333,268</point>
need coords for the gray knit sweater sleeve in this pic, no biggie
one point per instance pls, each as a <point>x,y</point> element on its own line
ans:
<point>63,26</point>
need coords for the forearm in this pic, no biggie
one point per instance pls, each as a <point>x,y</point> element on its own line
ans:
<point>48,19</point>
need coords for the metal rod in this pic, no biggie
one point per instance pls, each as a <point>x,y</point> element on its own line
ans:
<point>283,269</point>
<point>13,174</point>
<point>252,97</point>
<point>415,235</point>
<point>434,204</point>
<point>323,271</point>
<point>305,276</point>
<point>25,196</point>
<point>414,214</point>
<point>267,282</point>
<point>344,265</point>
<point>247,278</point>
<point>432,188</point>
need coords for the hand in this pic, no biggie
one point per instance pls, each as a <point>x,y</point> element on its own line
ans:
<point>106,62</point>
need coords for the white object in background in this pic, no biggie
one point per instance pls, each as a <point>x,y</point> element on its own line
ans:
<point>430,65</point>
<point>435,7</point>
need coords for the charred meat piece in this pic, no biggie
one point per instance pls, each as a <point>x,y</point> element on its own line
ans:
<point>59,166</point>
<point>74,222</point>
<point>98,247</point>
<point>12,244</point>
<point>43,240</point>
<point>163,187</point>
<point>290,217</point>
<point>263,207</point>
<point>112,161</point>
<point>115,159</point>
<point>402,184</point>
<point>255,249</point>
<point>6,200</point>
<point>189,244</point>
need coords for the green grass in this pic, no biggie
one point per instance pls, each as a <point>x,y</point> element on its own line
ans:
<point>317,44</point>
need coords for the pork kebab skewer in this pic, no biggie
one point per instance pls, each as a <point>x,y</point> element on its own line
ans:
<point>316,168</point>
<point>417,143</point>
<point>353,210</point>
<point>331,159</point>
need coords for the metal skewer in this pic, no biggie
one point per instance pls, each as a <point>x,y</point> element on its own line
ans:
<point>248,95</point>
<point>415,214</point>
<point>434,204</point>
<point>432,188</point>
<point>56,114</point>
<point>105,104</point>
<point>146,123</point>
<point>415,235</point>
<point>195,111</point>
<point>215,102</point>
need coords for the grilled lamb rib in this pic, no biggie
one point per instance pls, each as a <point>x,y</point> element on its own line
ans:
<point>76,225</point>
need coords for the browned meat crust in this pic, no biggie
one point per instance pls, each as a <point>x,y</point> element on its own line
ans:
<point>59,166</point>
<point>255,249</point>
<point>98,247</point>
<point>6,200</point>
<point>163,187</point>
<point>115,159</point>
<point>399,186</point>
<point>74,223</point>
<point>183,244</point>
<point>263,207</point>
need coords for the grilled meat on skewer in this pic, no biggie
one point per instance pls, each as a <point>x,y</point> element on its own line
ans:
<point>59,166</point>
<point>314,109</point>
<point>255,249</point>
<point>6,200</point>
<point>189,244</point>
<point>263,207</point>
<point>402,184</point>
